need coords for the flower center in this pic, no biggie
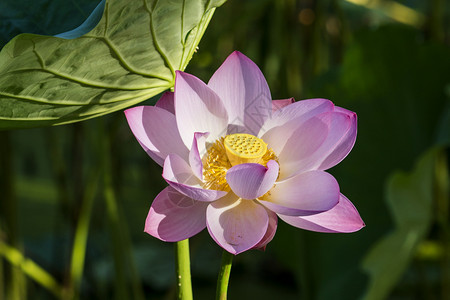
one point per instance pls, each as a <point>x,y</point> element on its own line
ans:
<point>229,151</point>
<point>244,148</point>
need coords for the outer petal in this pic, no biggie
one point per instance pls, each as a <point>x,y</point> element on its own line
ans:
<point>337,126</point>
<point>156,130</point>
<point>179,175</point>
<point>198,149</point>
<point>297,112</point>
<point>296,141</point>
<point>277,104</point>
<point>174,217</point>
<point>198,109</point>
<point>245,93</point>
<point>338,150</point>
<point>342,218</point>
<point>250,181</point>
<point>304,194</point>
<point>270,233</point>
<point>167,102</point>
<point>236,225</point>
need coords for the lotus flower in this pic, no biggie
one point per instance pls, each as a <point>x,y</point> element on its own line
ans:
<point>235,160</point>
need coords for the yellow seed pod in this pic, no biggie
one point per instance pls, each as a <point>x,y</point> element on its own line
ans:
<point>244,148</point>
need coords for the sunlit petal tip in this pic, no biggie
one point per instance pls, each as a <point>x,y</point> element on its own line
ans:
<point>244,91</point>
<point>152,126</point>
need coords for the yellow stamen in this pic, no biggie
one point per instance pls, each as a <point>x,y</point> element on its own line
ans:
<point>229,151</point>
<point>244,148</point>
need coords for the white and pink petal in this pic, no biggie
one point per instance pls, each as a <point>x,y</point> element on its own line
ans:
<point>236,225</point>
<point>198,149</point>
<point>277,104</point>
<point>270,233</point>
<point>174,217</point>
<point>343,218</point>
<point>179,175</point>
<point>198,109</point>
<point>296,112</point>
<point>339,149</point>
<point>166,102</point>
<point>244,91</point>
<point>251,180</point>
<point>313,142</point>
<point>156,130</point>
<point>304,194</point>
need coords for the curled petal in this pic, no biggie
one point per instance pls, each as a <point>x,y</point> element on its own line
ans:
<point>167,219</point>
<point>270,233</point>
<point>304,194</point>
<point>156,130</point>
<point>166,102</point>
<point>342,218</point>
<point>244,91</point>
<point>198,149</point>
<point>250,181</point>
<point>179,175</point>
<point>198,109</point>
<point>236,225</point>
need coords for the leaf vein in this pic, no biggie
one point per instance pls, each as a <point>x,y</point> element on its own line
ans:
<point>155,41</point>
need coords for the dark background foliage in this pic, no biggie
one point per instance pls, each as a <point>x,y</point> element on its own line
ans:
<point>377,58</point>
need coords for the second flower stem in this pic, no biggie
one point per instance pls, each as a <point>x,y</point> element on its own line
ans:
<point>224,276</point>
<point>184,271</point>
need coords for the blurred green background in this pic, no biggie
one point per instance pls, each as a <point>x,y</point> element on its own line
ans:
<point>389,61</point>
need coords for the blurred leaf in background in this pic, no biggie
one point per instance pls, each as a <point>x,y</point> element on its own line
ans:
<point>410,200</point>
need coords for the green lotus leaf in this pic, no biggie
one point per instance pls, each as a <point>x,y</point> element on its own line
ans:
<point>124,53</point>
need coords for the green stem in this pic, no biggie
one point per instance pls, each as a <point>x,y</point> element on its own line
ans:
<point>224,276</point>
<point>184,271</point>
<point>81,236</point>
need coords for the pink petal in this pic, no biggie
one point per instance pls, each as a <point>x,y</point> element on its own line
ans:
<point>179,175</point>
<point>304,194</point>
<point>297,113</point>
<point>198,149</point>
<point>244,91</point>
<point>235,224</point>
<point>198,109</point>
<point>342,218</point>
<point>174,217</point>
<point>250,181</point>
<point>339,149</point>
<point>294,141</point>
<point>312,143</point>
<point>156,130</point>
<point>166,102</point>
<point>270,233</point>
<point>277,104</point>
